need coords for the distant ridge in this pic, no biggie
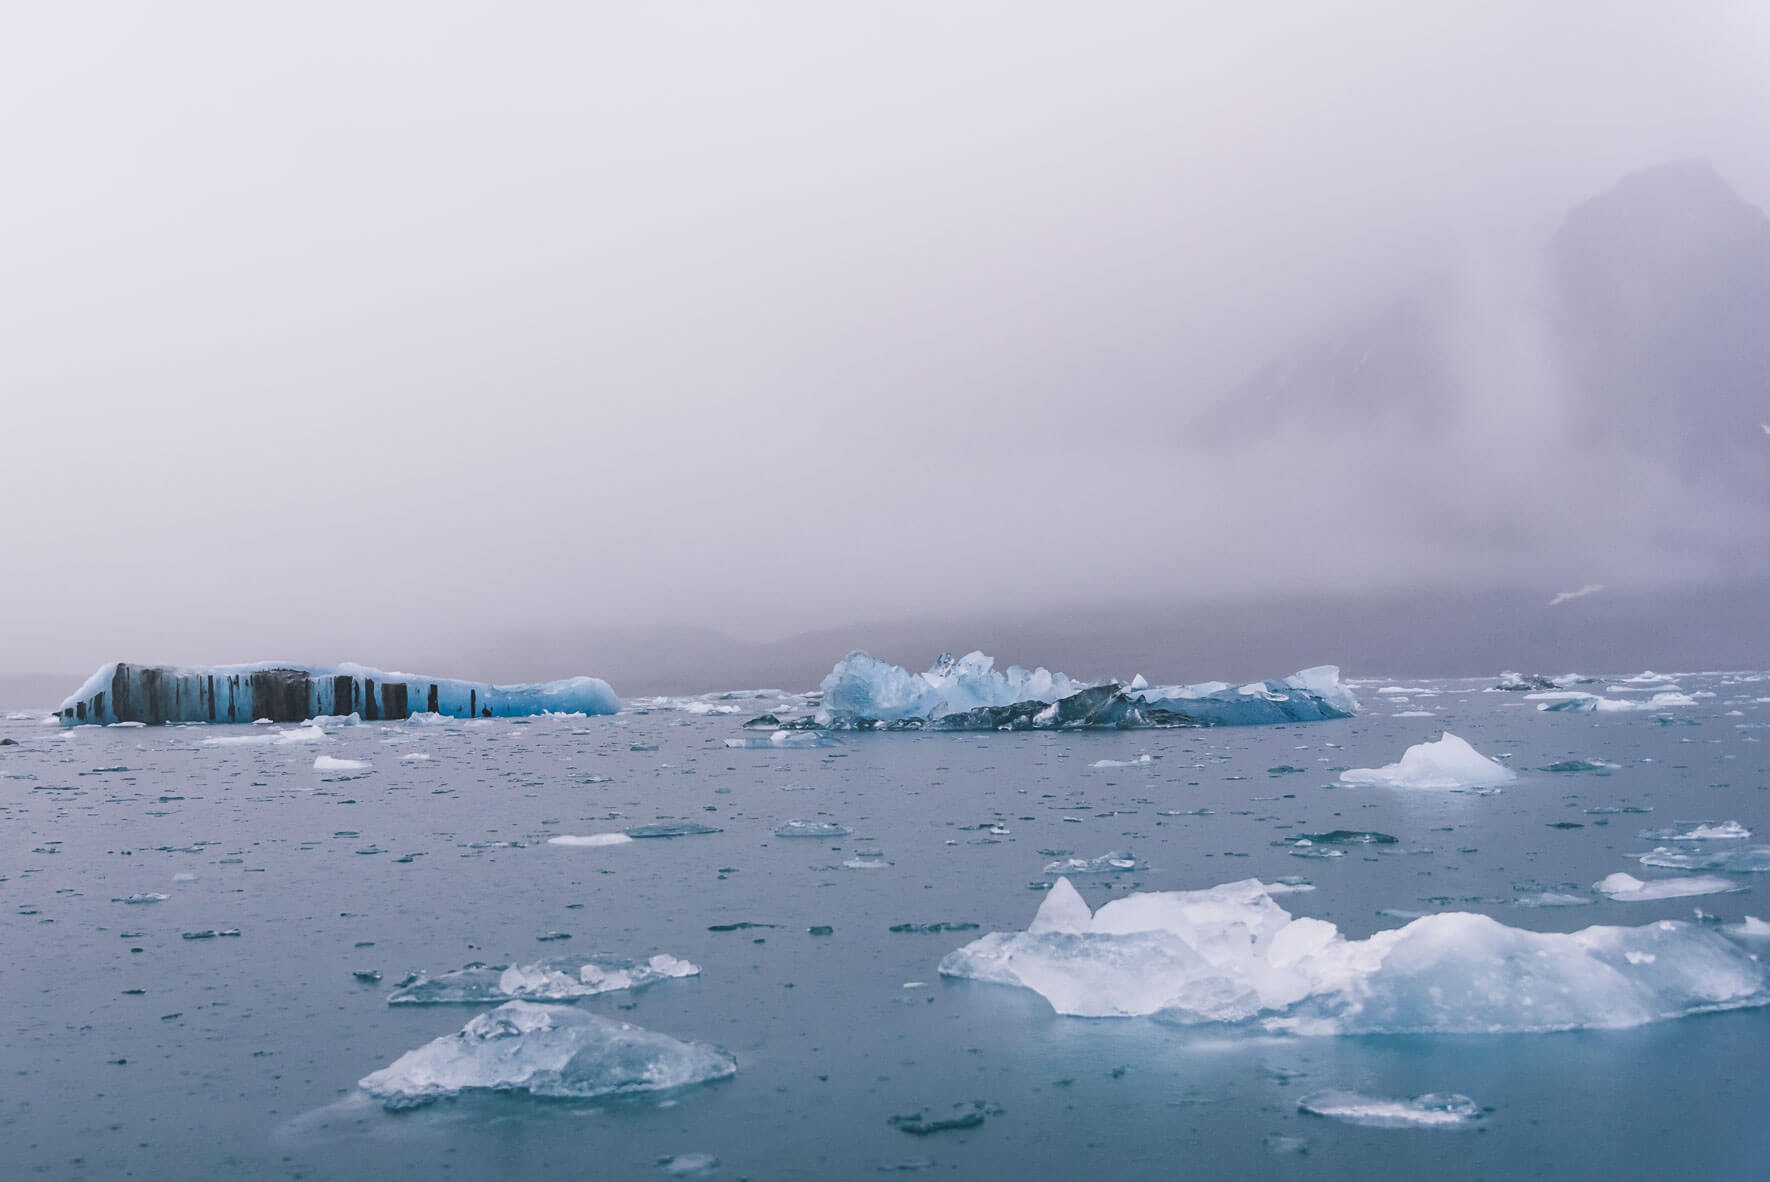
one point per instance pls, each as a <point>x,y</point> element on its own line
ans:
<point>1656,316</point>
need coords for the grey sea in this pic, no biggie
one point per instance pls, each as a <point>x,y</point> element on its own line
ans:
<point>201,938</point>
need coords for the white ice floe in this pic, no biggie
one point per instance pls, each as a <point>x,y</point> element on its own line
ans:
<point>1431,1111</point>
<point>270,738</point>
<point>556,1051</point>
<point>1232,954</point>
<point>565,978</point>
<point>1737,859</point>
<point>1576,702</point>
<point>1140,760</point>
<point>331,763</point>
<point>1626,888</point>
<point>1698,831</point>
<point>1447,763</point>
<point>590,839</point>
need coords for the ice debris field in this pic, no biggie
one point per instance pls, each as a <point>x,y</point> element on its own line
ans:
<point>998,923</point>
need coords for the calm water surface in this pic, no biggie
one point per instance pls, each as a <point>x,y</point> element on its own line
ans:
<point>134,1052</point>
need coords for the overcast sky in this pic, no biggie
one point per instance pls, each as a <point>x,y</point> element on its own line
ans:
<point>334,329</point>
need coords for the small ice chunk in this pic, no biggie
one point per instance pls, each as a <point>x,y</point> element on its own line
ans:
<point>1431,1111</point>
<point>1112,862</point>
<point>563,978</point>
<point>672,829</point>
<point>590,839</point>
<point>1626,888</point>
<point>959,1116</point>
<point>1697,831</point>
<point>1140,760</point>
<point>812,829</point>
<point>1739,859</point>
<point>331,763</point>
<point>556,1051</point>
<point>1448,762</point>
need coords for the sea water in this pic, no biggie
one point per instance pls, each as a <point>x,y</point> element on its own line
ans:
<point>220,1031</point>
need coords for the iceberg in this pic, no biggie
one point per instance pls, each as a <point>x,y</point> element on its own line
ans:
<point>1447,763</point>
<point>554,1051</point>
<point>968,693</point>
<point>157,694</point>
<point>1231,954</point>
<point>564,978</point>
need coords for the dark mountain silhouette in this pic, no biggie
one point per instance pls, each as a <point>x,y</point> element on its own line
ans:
<point>1654,314</point>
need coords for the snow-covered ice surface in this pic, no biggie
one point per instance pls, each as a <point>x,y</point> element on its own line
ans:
<point>1447,762</point>
<point>223,1056</point>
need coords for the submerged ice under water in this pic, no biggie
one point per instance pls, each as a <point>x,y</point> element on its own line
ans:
<point>205,938</point>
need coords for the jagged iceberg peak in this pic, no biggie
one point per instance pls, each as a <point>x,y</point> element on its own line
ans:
<point>155,694</point>
<point>969,693</point>
<point>543,1050</point>
<point>1232,954</point>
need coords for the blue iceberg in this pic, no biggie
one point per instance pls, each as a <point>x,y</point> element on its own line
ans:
<point>157,694</point>
<point>968,693</point>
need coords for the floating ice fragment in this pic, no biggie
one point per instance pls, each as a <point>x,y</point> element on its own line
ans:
<point>329,763</point>
<point>1582,703</point>
<point>1112,862</point>
<point>1575,766</point>
<point>672,829</point>
<point>812,829</point>
<point>1626,888</point>
<point>144,897</point>
<point>1748,859</point>
<point>1751,928</point>
<point>1141,759</point>
<point>554,1051</point>
<point>688,1165</point>
<point>590,839</point>
<point>1431,1111</point>
<point>1513,682</point>
<point>1447,763</point>
<point>1551,899</point>
<point>1232,954</point>
<point>959,1116</point>
<point>783,738</point>
<point>1697,831</point>
<point>560,979</point>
